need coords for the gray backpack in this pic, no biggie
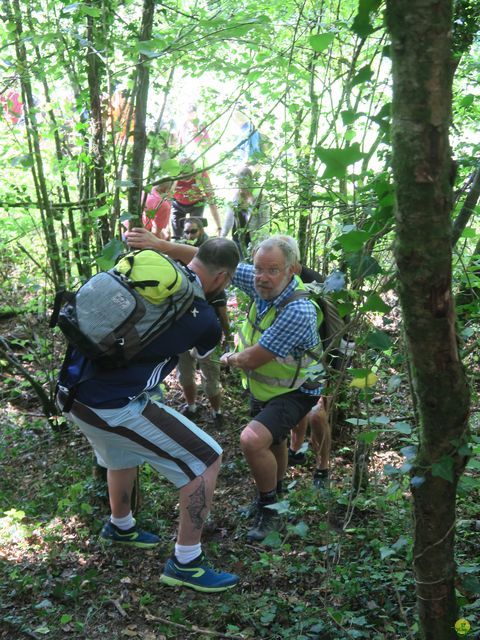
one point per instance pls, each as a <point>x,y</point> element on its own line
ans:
<point>117,313</point>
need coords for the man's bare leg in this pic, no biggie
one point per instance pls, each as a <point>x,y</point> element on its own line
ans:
<point>195,503</point>
<point>120,486</point>
<point>256,442</point>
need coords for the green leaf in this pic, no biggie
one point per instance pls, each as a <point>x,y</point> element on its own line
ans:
<point>85,507</point>
<point>368,436</point>
<point>171,167</point>
<point>443,468</point>
<point>359,373</point>
<point>152,46</point>
<point>356,421</point>
<point>403,427</point>
<point>280,507</point>
<point>467,100</point>
<point>471,584</point>
<point>376,304</point>
<point>380,420</point>
<point>65,618</point>
<point>93,12</point>
<point>272,540</point>
<point>300,529</point>
<point>337,160</point>
<point>390,470</point>
<point>349,116</point>
<point>386,552</point>
<point>400,543</point>
<point>344,308</point>
<point>468,232</point>
<point>379,340</point>
<point>362,265</point>
<point>110,253</point>
<point>364,75</point>
<point>321,41</point>
<point>409,452</point>
<point>98,213</point>
<point>393,383</point>
<point>361,24</point>
<point>353,241</point>
<point>238,30</point>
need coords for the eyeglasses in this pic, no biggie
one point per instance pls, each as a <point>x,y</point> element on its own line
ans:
<point>189,232</point>
<point>273,271</point>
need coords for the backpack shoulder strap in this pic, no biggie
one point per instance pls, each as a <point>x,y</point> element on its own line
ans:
<point>296,295</point>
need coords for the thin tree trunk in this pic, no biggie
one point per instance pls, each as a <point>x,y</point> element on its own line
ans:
<point>139,135</point>
<point>95,70</point>
<point>48,224</point>
<point>466,211</point>
<point>422,95</point>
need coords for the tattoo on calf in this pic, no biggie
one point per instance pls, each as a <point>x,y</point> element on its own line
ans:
<point>197,505</point>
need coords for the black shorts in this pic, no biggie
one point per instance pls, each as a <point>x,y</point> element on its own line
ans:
<point>282,413</point>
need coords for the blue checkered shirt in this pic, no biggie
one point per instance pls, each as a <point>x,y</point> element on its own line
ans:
<point>295,328</point>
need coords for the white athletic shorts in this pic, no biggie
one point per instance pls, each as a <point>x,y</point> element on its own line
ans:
<point>146,430</point>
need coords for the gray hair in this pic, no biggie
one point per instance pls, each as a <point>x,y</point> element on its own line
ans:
<point>287,245</point>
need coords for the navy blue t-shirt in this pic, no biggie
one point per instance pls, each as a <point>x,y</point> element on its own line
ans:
<point>111,388</point>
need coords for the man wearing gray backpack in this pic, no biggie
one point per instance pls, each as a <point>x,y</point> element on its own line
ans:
<point>121,414</point>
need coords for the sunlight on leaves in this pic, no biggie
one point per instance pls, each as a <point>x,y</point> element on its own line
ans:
<point>321,41</point>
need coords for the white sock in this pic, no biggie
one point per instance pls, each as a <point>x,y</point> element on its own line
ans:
<point>125,523</point>
<point>186,553</point>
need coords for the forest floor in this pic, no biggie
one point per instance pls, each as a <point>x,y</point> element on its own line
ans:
<point>341,569</point>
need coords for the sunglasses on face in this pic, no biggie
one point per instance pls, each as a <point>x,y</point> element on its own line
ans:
<point>189,232</point>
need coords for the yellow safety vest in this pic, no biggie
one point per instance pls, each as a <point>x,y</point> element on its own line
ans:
<point>281,375</point>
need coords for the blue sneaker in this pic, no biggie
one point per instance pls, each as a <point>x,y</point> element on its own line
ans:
<point>196,575</point>
<point>133,537</point>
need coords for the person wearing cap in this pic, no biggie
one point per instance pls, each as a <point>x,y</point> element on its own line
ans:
<point>195,235</point>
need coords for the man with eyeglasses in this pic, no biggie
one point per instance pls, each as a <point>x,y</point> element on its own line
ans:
<point>279,330</point>
<point>195,235</point>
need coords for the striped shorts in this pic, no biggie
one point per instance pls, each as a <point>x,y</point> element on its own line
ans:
<point>146,430</point>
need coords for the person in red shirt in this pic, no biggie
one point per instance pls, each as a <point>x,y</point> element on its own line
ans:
<point>156,210</point>
<point>190,195</point>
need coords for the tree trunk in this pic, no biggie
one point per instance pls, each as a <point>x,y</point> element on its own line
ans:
<point>422,95</point>
<point>95,70</point>
<point>139,135</point>
<point>57,273</point>
<point>468,208</point>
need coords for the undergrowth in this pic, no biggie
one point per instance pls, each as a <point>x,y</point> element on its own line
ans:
<point>341,569</point>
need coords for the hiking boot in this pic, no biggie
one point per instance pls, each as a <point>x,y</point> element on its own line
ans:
<point>321,480</point>
<point>267,521</point>
<point>197,575</point>
<point>188,413</point>
<point>133,537</point>
<point>296,457</point>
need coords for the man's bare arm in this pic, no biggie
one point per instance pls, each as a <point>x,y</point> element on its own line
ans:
<point>252,358</point>
<point>140,238</point>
